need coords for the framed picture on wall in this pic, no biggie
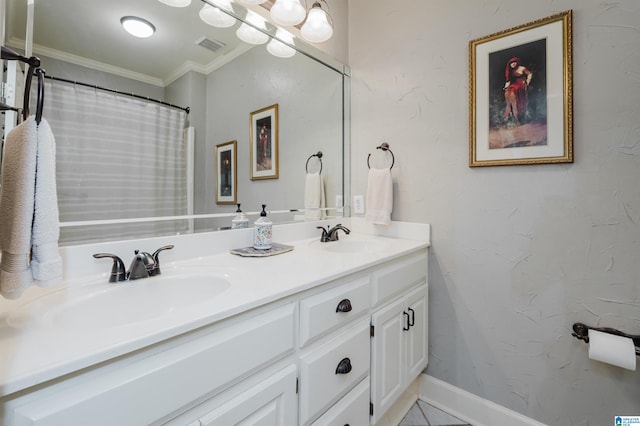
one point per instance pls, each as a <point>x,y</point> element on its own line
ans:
<point>520,106</point>
<point>263,135</point>
<point>226,176</point>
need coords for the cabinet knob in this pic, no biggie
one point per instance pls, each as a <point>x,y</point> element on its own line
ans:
<point>344,306</point>
<point>344,366</point>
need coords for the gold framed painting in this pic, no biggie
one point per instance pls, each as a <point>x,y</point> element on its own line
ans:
<point>226,175</point>
<point>520,104</point>
<point>264,143</point>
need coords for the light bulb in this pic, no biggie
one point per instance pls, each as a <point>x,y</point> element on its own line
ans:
<point>176,3</point>
<point>248,33</point>
<point>288,12</point>
<point>280,49</point>
<point>216,17</point>
<point>137,27</point>
<point>317,27</point>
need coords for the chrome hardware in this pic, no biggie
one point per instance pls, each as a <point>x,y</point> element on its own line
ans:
<point>344,366</point>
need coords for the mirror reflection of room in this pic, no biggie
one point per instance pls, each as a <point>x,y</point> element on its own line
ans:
<point>152,155</point>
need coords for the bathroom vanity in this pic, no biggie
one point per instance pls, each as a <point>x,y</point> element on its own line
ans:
<point>327,334</point>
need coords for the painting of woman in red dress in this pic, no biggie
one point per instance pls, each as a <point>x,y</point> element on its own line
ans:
<point>517,80</point>
<point>518,96</point>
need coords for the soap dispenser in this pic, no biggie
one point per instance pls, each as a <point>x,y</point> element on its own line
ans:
<point>262,231</point>
<point>240,220</point>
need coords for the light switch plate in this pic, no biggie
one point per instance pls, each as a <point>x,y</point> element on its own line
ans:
<point>339,204</point>
<point>358,204</point>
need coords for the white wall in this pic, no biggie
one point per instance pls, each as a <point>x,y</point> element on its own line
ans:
<point>519,253</point>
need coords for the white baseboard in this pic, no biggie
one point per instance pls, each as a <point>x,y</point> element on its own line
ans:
<point>467,406</point>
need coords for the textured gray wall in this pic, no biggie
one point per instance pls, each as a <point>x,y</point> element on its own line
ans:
<point>519,253</point>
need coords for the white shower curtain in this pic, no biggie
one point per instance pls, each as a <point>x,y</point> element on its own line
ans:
<point>117,157</point>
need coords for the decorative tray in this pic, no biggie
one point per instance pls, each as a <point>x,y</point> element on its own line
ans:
<point>253,252</point>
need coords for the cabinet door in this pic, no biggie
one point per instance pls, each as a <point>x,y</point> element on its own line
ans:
<point>270,403</point>
<point>417,349</point>
<point>388,366</point>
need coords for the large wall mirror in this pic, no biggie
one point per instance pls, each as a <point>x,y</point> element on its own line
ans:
<point>224,82</point>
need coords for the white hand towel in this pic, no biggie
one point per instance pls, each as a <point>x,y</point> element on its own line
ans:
<point>379,196</point>
<point>46,264</point>
<point>314,197</point>
<point>21,207</point>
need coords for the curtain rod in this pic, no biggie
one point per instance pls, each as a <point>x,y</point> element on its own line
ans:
<point>94,86</point>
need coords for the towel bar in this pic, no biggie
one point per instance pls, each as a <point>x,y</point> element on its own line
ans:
<point>385,147</point>
<point>581,332</point>
<point>319,155</point>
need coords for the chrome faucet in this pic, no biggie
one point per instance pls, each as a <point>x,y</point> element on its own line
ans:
<point>332,234</point>
<point>143,265</point>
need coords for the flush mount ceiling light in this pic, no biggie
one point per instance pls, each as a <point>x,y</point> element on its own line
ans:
<point>250,33</point>
<point>252,1</point>
<point>280,49</point>
<point>215,16</point>
<point>176,3</point>
<point>288,12</point>
<point>137,27</point>
<point>318,27</point>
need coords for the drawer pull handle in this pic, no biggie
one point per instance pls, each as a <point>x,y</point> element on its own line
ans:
<point>413,317</point>
<point>344,306</point>
<point>407,324</point>
<point>344,366</point>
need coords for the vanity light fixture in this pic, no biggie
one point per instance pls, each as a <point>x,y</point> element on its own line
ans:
<point>176,3</point>
<point>214,16</point>
<point>288,12</point>
<point>280,49</point>
<point>250,33</point>
<point>137,27</point>
<point>318,26</point>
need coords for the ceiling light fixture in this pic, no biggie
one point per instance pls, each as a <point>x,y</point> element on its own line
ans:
<point>318,26</point>
<point>214,15</point>
<point>249,32</point>
<point>279,46</point>
<point>176,3</point>
<point>288,12</point>
<point>137,27</point>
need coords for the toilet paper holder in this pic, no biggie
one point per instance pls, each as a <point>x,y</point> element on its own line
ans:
<point>581,332</point>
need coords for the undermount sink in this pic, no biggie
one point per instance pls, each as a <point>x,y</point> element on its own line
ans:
<point>106,305</point>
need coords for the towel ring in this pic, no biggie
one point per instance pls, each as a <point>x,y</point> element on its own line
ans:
<point>319,155</point>
<point>385,147</point>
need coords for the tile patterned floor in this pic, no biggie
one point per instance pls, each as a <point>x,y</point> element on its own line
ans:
<point>423,414</point>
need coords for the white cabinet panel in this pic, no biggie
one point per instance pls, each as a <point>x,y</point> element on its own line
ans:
<point>352,410</point>
<point>398,277</point>
<point>153,387</point>
<point>328,310</point>
<point>398,348</point>
<point>270,403</point>
<point>321,383</point>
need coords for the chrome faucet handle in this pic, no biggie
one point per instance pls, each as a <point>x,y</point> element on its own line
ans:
<point>118,271</point>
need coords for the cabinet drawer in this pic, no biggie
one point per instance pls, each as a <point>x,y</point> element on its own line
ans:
<point>329,372</point>
<point>155,386</point>
<point>352,410</point>
<point>397,277</point>
<point>332,308</point>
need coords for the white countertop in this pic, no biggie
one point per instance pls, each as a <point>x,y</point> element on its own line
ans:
<point>33,350</point>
